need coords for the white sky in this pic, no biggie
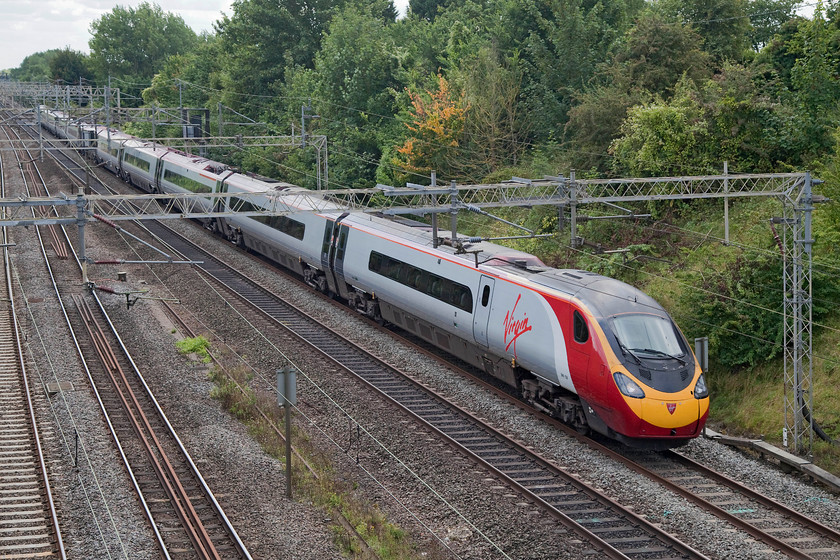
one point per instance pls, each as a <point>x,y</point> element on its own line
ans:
<point>30,26</point>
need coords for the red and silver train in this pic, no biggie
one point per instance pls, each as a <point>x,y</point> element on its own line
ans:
<point>593,351</point>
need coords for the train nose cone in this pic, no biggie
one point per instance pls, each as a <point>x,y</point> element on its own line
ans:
<point>670,414</point>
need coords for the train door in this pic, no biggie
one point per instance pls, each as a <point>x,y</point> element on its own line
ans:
<point>580,351</point>
<point>481,316</point>
<point>332,254</point>
<point>158,173</point>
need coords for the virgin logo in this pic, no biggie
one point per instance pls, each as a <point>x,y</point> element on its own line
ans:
<point>515,327</point>
<point>672,406</point>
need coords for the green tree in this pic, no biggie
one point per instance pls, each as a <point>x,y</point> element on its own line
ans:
<point>595,122</point>
<point>651,58</point>
<point>134,43</point>
<point>728,118</point>
<point>664,138</point>
<point>69,66</point>
<point>562,43</point>
<point>35,67</point>
<point>775,61</point>
<point>495,131</point>
<point>352,88</point>
<point>767,18</point>
<point>191,79</point>
<point>262,39</point>
<point>724,24</point>
<point>655,53</point>
<point>814,79</point>
<point>427,9</point>
<point>827,219</point>
<point>741,300</point>
<point>745,125</point>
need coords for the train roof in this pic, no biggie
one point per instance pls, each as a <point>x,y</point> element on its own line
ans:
<point>603,295</point>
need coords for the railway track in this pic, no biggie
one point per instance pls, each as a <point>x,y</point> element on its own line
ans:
<point>764,519</point>
<point>185,517</point>
<point>29,526</point>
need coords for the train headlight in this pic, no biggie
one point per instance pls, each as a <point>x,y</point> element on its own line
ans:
<point>700,390</point>
<point>627,386</point>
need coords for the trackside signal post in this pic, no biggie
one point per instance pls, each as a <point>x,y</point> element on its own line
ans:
<point>287,398</point>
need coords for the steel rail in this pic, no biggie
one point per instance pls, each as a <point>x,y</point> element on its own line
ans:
<point>226,523</point>
<point>146,434</point>
<point>30,406</point>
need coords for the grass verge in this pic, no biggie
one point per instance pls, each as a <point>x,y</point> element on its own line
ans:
<point>354,518</point>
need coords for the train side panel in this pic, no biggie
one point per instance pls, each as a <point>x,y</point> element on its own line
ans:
<point>525,328</point>
<point>444,295</point>
<point>139,164</point>
<point>177,175</point>
<point>287,239</point>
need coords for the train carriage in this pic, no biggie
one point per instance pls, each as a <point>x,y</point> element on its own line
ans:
<point>556,334</point>
<point>292,239</point>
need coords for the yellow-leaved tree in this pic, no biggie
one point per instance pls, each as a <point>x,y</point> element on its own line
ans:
<point>436,125</point>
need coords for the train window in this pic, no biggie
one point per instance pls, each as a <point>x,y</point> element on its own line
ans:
<point>283,224</point>
<point>325,245</point>
<point>485,296</point>
<point>136,162</point>
<point>649,334</point>
<point>581,330</point>
<point>104,146</point>
<point>342,242</point>
<point>289,226</point>
<point>185,182</point>
<point>423,281</point>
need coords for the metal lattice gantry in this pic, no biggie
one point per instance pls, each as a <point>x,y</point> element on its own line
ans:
<point>793,190</point>
<point>31,94</point>
<point>798,336</point>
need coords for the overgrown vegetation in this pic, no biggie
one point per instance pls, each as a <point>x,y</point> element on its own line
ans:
<point>198,345</point>
<point>325,488</point>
